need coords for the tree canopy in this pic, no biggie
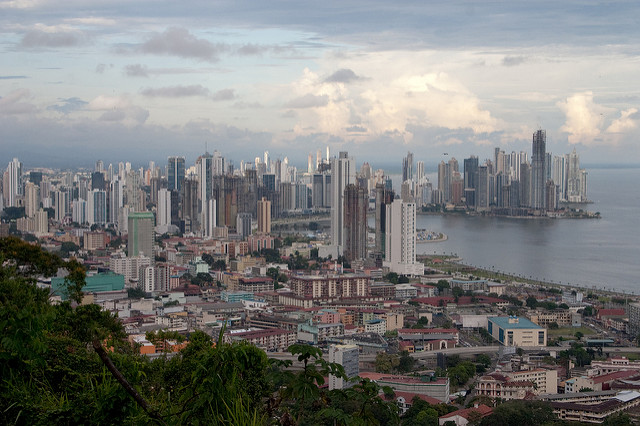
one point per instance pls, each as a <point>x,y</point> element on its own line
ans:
<point>72,364</point>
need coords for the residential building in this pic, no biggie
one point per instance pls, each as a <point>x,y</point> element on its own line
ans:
<point>269,340</point>
<point>435,387</point>
<point>343,173</point>
<point>141,234</point>
<point>538,170</point>
<point>356,202</point>
<point>348,357</point>
<point>466,416</point>
<point>400,241</point>
<point>264,216</point>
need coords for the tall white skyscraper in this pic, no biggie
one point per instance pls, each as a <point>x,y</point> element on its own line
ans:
<point>79,211</point>
<point>211,219</point>
<point>164,207</point>
<point>13,185</point>
<point>343,173</point>
<point>116,201</point>
<point>60,201</point>
<point>400,246</point>
<point>420,176</point>
<point>349,358</point>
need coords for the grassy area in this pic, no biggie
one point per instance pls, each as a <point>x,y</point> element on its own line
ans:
<point>569,331</point>
<point>630,356</point>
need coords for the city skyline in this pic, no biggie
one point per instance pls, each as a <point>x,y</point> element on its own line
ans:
<point>88,80</point>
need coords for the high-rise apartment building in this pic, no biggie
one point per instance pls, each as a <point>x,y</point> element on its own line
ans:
<point>243,225</point>
<point>384,197</point>
<point>12,183</point>
<point>407,167</point>
<point>60,205</point>
<point>538,170</point>
<point>342,174</point>
<point>264,216</point>
<point>175,173</point>
<point>31,199</point>
<point>356,203</point>
<point>348,357</point>
<point>400,249</point>
<point>163,209</point>
<point>97,208</point>
<point>141,234</point>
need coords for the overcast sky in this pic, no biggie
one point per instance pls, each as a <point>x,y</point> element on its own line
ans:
<point>140,80</point>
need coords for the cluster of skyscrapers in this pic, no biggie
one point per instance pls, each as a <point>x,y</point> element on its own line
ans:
<point>506,184</point>
<point>212,197</point>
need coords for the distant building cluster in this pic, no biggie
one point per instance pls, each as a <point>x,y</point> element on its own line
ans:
<point>511,184</point>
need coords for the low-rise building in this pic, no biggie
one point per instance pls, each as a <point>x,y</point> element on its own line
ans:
<point>499,385</point>
<point>596,412</point>
<point>437,388</point>
<point>375,326</point>
<point>405,291</point>
<point>517,331</point>
<point>269,340</point>
<point>465,416</point>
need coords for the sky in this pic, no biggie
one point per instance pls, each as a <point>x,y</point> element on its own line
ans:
<point>141,80</point>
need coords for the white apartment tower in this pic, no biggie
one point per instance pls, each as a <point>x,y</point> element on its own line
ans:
<point>400,247</point>
<point>348,357</point>
<point>343,173</point>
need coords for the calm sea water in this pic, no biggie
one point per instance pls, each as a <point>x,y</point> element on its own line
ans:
<point>600,253</point>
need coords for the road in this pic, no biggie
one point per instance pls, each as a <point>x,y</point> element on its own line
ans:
<point>470,351</point>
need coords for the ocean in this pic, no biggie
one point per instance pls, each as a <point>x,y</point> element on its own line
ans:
<point>594,253</point>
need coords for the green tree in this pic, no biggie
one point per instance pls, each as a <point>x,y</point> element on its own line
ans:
<point>386,363</point>
<point>406,362</point>
<point>273,273</point>
<point>13,213</point>
<point>521,413</point>
<point>68,247</point>
<point>135,293</point>
<point>531,302</point>
<point>442,285</point>
<point>392,277</point>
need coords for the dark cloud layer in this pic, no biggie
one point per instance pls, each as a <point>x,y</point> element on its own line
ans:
<point>342,76</point>
<point>35,39</point>
<point>308,101</point>
<point>181,43</point>
<point>176,91</point>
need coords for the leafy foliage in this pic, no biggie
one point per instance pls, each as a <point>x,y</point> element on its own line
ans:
<point>72,364</point>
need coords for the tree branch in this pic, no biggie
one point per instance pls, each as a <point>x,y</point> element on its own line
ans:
<point>97,346</point>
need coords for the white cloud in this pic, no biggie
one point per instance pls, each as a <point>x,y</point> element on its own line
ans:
<point>15,103</point>
<point>626,122</point>
<point>93,20</point>
<point>584,119</point>
<point>118,108</point>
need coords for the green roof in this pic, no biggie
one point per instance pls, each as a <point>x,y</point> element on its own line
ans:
<point>503,322</point>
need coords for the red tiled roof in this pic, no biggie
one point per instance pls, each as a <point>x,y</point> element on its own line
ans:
<point>408,397</point>
<point>623,374</point>
<point>482,409</point>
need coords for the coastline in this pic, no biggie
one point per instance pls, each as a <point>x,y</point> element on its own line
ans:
<point>453,262</point>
